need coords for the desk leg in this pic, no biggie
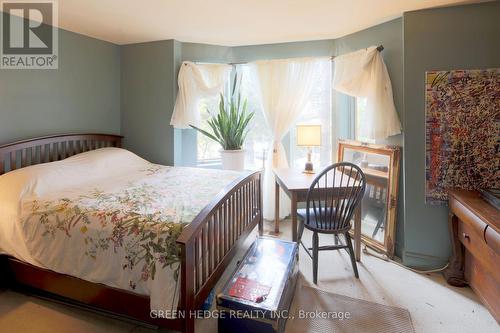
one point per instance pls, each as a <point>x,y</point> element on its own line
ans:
<point>276,208</point>
<point>357,233</point>
<point>294,216</point>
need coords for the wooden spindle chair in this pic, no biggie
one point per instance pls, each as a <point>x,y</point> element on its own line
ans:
<point>331,202</point>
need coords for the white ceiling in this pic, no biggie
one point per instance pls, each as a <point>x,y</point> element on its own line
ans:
<point>230,22</point>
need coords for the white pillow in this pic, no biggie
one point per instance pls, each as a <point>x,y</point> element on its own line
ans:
<point>77,170</point>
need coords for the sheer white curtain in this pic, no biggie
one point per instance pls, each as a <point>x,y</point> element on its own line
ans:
<point>285,87</point>
<point>259,136</point>
<point>197,81</point>
<point>363,74</point>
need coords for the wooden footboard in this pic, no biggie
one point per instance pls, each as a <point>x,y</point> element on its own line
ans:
<point>210,242</point>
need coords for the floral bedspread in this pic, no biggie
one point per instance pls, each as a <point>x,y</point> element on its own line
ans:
<point>122,233</point>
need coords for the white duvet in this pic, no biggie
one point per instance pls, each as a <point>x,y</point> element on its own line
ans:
<point>106,216</point>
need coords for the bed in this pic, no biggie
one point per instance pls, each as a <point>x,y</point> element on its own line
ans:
<point>99,226</point>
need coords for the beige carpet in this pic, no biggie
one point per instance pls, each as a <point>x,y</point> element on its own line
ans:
<point>314,311</point>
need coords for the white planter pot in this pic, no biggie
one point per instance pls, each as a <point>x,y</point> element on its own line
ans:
<point>233,159</point>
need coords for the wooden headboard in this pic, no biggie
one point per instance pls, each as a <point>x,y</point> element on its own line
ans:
<point>52,148</point>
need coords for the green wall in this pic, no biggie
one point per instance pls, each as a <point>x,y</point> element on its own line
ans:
<point>463,37</point>
<point>390,35</point>
<point>83,95</point>
<point>148,80</point>
<point>319,48</point>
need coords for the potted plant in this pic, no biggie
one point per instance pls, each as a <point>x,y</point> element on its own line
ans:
<point>229,129</point>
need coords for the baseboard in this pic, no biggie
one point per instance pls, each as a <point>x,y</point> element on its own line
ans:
<point>423,261</point>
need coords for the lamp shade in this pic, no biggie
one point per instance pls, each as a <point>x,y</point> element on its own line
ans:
<point>309,135</point>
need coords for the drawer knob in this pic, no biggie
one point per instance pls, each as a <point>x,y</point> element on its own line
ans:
<point>466,237</point>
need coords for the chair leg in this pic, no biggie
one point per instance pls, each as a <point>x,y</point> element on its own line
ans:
<point>351,254</point>
<point>315,257</point>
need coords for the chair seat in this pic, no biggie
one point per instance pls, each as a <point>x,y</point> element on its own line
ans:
<point>311,224</point>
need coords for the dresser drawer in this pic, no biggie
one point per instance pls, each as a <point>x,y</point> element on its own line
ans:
<point>484,284</point>
<point>466,216</point>
<point>472,236</point>
<point>475,224</point>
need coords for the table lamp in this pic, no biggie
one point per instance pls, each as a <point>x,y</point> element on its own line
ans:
<point>309,136</point>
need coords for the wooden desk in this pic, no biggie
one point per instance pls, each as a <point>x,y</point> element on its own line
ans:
<point>475,234</point>
<point>295,184</point>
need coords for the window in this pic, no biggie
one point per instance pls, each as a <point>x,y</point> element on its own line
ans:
<point>259,136</point>
<point>207,150</point>
<point>318,111</point>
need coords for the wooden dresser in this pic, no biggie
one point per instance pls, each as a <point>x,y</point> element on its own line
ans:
<point>475,231</point>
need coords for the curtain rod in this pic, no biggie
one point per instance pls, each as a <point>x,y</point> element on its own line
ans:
<point>380,48</point>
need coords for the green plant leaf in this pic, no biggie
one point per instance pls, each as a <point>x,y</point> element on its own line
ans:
<point>211,136</point>
<point>229,125</point>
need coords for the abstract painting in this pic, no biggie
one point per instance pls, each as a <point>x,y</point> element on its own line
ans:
<point>462,131</point>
